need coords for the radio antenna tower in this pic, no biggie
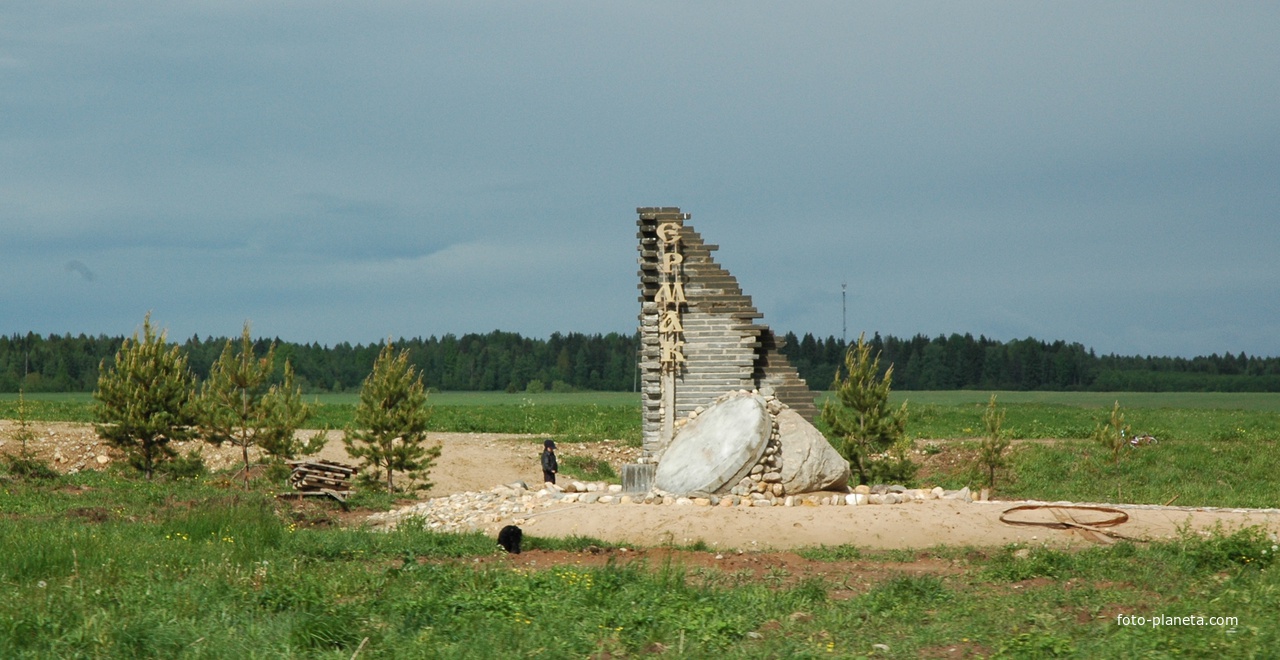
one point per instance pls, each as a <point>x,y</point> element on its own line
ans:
<point>844,315</point>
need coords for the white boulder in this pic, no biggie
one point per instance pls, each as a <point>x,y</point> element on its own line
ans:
<point>719,448</point>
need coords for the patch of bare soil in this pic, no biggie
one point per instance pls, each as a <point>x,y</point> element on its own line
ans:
<point>70,447</point>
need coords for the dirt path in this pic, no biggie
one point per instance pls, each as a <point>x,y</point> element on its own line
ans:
<point>899,526</point>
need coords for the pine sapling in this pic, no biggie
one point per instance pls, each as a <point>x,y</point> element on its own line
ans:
<point>239,406</point>
<point>991,451</point>
<point>146,399</point>
<point>867,427</point>
<point>389,431</point>
<point>1113,433</point>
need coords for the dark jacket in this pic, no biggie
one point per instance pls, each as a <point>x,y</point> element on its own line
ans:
<point>549,463</point>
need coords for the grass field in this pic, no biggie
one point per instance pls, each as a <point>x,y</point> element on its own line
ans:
<point>567,417</point>
<point>933,415</point>
<point>1260,401</point>
<point>109,565</point>
<point>98,565</point>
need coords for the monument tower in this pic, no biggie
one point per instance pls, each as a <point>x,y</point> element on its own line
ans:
<point>698,332</point>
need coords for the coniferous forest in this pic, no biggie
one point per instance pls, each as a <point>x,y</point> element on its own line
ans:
<point>507,361</point>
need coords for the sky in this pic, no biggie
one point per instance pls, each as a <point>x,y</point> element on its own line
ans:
<point>1095,172</point>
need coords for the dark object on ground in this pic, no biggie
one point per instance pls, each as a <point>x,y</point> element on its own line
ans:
<point>509,538</point>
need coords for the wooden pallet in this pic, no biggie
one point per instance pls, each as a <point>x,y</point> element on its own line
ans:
<point>320,479</point>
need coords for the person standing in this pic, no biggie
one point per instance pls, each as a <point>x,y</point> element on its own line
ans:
<point>549,464</point>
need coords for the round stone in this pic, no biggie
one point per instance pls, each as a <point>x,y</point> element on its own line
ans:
<point>719,447</point>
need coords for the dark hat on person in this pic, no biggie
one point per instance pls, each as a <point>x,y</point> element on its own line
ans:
<point>549,444</point>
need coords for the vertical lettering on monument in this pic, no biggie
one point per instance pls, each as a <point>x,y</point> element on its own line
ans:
<point>670,298</point>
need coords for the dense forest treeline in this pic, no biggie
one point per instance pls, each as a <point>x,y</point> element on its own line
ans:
<point>493,361</point>
<point>507,361</point>
<point>963,362</point>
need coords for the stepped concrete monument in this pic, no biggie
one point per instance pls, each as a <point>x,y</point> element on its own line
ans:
<point>723,409</point>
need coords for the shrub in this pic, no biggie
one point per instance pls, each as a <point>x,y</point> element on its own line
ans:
<point>189,466</point>
<point>894,466</point>
<point>583,467</point>
<point>27,466</point>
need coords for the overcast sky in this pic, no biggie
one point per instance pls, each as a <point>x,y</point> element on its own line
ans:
<point>1107,173</point>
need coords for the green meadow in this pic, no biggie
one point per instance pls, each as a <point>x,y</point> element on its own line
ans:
<point>107,565</point>
<point>1261,401</point>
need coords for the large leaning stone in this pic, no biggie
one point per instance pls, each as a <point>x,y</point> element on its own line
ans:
<point>809,462</point>
<point>716,450</point>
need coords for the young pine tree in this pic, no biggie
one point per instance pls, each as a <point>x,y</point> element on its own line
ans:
<point>25,463</point>
<point>991,451</point>
<point>24,434</point>
<point>238,406</point>
<point>1113,433</point>
<point>863,420</point>
<point>389,431</point>
<point>288,413</point>
<point>146,399</point>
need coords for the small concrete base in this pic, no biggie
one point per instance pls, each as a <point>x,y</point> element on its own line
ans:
<point>638,477</point>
